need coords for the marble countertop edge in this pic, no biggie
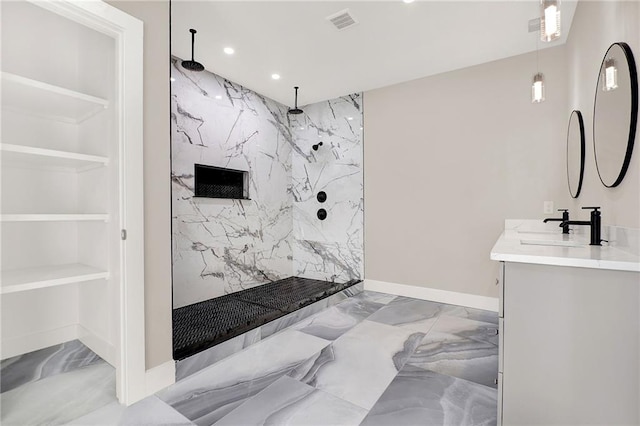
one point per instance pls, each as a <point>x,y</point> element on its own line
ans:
<point>509,248</point>
<point>566,261</point>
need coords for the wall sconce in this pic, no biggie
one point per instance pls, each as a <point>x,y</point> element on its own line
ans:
<point>549,20</point>
<point>610,80</point>
<point>537,88</point>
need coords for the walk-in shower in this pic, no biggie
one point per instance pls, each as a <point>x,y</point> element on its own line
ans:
<point>263,224</point>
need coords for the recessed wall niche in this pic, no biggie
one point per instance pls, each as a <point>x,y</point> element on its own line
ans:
<point>218,182</point>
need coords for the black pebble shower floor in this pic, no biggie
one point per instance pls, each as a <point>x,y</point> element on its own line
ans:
<point>205,324</point>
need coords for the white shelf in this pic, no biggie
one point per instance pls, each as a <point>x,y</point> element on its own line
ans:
<point>53,217</point>
<point>46,100</point>
<point>18,280</point>
<point>19,155</point>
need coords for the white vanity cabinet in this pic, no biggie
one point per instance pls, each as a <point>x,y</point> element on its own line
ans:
<point>569,345</point>
<point>71,168</point>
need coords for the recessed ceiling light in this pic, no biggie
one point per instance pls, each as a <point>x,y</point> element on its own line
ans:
<point>275,76</point>
<point>229,50</point>
<point>172,79</point>
<point>218,97</point>
<point>408,1</point>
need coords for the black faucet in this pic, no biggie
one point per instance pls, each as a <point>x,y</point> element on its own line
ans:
<point>594,223</point>
<point>564,220</point>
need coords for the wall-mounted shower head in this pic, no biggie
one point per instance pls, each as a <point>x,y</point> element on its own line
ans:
<point>192,65</point>
<point>316,146</point>
<point>296,110</point>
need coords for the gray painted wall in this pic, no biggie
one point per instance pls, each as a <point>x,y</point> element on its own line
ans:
<point>449,157</point>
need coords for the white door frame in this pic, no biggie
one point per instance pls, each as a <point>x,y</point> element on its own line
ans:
<point>127,32</point>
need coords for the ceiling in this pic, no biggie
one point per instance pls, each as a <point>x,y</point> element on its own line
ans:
<point>393,41</point>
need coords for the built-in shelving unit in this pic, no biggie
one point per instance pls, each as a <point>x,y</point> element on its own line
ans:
<point>68,186</point>
<point>59,218</point>
<point>20,155</point>
<point>45,100</point>
<point>18,280</point>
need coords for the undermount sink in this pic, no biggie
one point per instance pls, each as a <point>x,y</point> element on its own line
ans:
<point>558,243</point>
<point>539,232</point>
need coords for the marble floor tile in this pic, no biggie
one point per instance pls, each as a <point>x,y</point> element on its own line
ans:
<point>148,412</point>
<point>466,328</point>
<point>60,398</point>
<point>470,313</point>
<point>420,397</point>
<point>204,359</point>
<point>207,396</point>
<point>36,365</point>
<point>201,360</point>
<point>337,320</point>
<point>280,324</point>
<point>375,358</point>
<point>360,364</point>
<point>289,402</point>
<point>413,314</point>
<point>468,359</point>
<point>306,312</point>
<point>374,296</point>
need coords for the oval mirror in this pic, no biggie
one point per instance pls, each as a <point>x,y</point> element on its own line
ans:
<point>575,153</point>
<point>615,114</point>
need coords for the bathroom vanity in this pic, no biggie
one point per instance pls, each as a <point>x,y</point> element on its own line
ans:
<point>569,326</point>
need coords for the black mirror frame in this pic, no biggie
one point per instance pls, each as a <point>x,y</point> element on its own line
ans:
<point>633,77</point>
<point>582,152</point>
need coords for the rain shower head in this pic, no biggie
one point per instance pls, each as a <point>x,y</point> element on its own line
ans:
<point>295,109</point>
<point>192,65</point>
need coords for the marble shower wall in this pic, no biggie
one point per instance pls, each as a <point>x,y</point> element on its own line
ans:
<point>331,249</point>
<point>223,246</point>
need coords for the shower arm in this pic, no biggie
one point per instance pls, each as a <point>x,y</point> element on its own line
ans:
<point>193,42</point>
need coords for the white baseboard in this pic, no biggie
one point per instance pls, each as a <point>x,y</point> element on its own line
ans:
<point>97,344</point>
<point>32,342</point>
<point>434,295</point>
<point>160,377</point>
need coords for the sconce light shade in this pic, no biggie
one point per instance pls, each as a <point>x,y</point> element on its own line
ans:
<point>610,77</point>
<point>537,88</point>
<point>549,20</point>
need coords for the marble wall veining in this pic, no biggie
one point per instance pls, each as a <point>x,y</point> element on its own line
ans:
<point>223,246</point>
<point>330,249</point>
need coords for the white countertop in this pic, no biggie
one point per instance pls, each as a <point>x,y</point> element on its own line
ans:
<point>528,241</point>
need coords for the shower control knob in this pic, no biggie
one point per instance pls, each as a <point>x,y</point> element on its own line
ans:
<point>322,196</point>
<point>322,214</point>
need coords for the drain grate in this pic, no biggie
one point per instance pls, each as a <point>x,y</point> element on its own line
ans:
<point>205,324</point>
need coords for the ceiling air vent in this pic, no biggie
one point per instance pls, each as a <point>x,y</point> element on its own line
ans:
<point>534,25</point>
<point>342,19</point>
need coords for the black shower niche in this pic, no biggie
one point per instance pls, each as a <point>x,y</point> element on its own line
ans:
<point>218,182</point>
